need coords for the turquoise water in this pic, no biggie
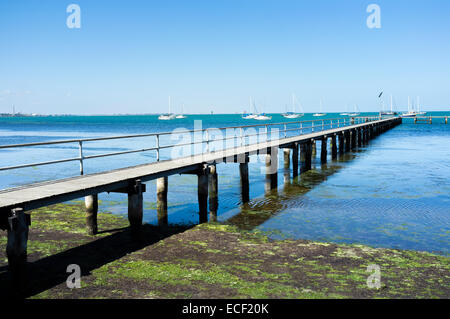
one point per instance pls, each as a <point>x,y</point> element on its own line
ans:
<point>393,192</point>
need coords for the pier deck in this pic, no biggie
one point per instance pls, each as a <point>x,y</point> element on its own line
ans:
<point>42,194</point>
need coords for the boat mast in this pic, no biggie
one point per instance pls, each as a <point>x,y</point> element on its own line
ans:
<point>391,105</point>
<point>293,102</point>
<point>169,104</point>
<point>418,104</point>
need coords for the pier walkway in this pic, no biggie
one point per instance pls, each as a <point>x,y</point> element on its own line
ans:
<point>298,139</point>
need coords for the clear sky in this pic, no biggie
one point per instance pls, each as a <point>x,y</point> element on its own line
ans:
<point>129,56</point>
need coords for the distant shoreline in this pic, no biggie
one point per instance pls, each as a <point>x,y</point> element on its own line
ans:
<point>20,115</point>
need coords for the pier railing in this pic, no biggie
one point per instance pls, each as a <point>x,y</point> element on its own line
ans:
<point>239,136</point>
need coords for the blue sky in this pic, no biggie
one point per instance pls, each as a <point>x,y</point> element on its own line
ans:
<point>129,56</point>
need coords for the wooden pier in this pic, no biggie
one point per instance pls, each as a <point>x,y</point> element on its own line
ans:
<point>16,204</point>
<point>430,119</point>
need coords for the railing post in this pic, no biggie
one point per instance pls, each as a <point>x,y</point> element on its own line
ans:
<point>301,128</point>
<point>242,136</point>
<point>80,143</point>
<point>285,131</point>
<point>157,147</point>
<point>207,141</point>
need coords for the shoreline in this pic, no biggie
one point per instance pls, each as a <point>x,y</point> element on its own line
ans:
<point>211,260</point>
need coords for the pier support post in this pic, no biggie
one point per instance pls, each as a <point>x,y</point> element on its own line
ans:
<point>202,193</point>
<point>302,157</point>
<point>162,185</point>
<point>333,147</point>
<point>313,148</point>
<point>323,150</point>
<point>287,156</point>
<point>245,189</point>
<point>308,155</point>
<point>341,143</point>
<point>347,141</point>
<point>16,247</point>
<point>353,139</point>
<point>135,207</point>
<point>213,193</point>
<point>271,169</point>
<point>359,137</point>
<point>91,204</point>
<point>295,161</point>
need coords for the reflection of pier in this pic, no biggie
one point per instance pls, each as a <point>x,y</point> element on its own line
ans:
<point>255,213</point>
<point>298,139</point>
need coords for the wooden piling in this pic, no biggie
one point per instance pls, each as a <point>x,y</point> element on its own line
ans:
<point>341,143</point>
<point>287,158</point>
<point>359,137</point>
<point>347,141</point>
<point>16,247</point>
<point>323,150</point>
<point>308,156</point>
<point>272,169</point>
<point>295,161</point>
<point>202,193</point>
<point>333,147</point>
<point>213,193</point>
<point>162,185</point>
<point>135,207</point>
<point>245,189</point>
<point>91,204</point>
<point>353,139</point>
<point>313,148</point>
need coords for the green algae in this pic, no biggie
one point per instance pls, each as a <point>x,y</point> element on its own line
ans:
<point>251,266</point>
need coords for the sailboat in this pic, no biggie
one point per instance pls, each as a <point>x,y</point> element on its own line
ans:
<point>293,115</point>
<point>346,109</point>
<point>181,116</point>
<point>355,113</point>
<point>167,116</point>
<point>391,112</point>
<point>411,112</point>
<point>418,107</point>
<point>321,110</point>
<point>250,116</point>
<point>263,117</point>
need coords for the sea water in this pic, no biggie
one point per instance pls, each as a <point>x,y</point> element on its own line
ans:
<point>393,192</point>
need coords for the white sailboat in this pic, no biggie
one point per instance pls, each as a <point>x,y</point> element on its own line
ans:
<point>346,111</point>
<point>418,107</point>
<point>181,116</point>
<point>321,110</point>
<point>355,113</point>
<point>263,117</point>
<point>167,116</point>
<point>250,116</point>
<point>411,112</point>
<point>293,115</point>
<point>391,112</point>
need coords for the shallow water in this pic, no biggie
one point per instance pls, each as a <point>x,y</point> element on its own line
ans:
<point>393,192</point>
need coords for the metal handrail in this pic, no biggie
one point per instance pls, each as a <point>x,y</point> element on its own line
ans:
<point>324,123</point>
